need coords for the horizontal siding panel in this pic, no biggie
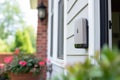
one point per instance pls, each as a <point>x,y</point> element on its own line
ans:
<point>70,27</point>
<point>70,4</point>
<point>57,70</point>
<point>72,50</point>
<point>75,59</point>
<point>77,8</point>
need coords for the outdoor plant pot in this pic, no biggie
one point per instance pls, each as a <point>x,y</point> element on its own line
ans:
<point>22,66</point>
<point>27,76</point>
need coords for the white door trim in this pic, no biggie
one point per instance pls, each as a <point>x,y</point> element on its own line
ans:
<point>109,24</point>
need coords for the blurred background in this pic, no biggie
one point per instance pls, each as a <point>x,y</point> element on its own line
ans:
<point>18,26</point>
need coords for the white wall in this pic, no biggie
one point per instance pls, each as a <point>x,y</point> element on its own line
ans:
<point>58,64</point>
<point>89,9</point>
<point>74,9</point>
<point>94,26</point>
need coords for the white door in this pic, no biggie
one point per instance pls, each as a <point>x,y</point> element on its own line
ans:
<point>110,23</point>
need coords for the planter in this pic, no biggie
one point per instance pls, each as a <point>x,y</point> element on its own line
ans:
<point>27,76</point>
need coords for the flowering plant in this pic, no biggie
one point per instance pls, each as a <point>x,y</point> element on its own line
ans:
<point>23,63</point>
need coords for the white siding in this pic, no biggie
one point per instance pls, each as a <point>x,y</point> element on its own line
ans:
<point>71,25</point>
<point>72,59</point>
<point>76,9</point>
<point>57,71</point>
<point>70,4</point>
<point>83,9</point>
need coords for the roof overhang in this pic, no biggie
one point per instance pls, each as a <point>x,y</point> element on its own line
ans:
<point>33,4</point>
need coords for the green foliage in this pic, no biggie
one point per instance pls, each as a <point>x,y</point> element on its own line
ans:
<point>24,40</point>
<point>4,46</point>
<point>10,17</point>
<point>107,67</point>
<point>32,36</point>
<point>4,76</point>
<point>12,24</point>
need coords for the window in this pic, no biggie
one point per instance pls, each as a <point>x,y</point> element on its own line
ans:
<point>52,16</point>
<point>60,29</point>
<point>51,50</point>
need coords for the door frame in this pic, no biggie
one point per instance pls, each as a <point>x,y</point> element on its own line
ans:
<point>104,31</point>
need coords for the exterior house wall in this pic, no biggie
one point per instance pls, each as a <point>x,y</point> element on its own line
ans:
<point>94,27</point>
<point>73,10</point>
<point>41,44</point>
<point>57,64</point>
<point>42,34</point>
<point>89,9</point>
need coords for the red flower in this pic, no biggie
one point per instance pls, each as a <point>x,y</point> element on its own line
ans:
<point>23,63</point>
<point>41,63</point>
<point>1,66</point>
<point>8,59</point>
<point>17,51</point>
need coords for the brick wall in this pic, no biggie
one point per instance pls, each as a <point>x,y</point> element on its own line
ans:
<point>42,36</point>
<point>3,55</point>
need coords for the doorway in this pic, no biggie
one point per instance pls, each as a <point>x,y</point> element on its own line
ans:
<point>115,10</point>
<point>110,23</point>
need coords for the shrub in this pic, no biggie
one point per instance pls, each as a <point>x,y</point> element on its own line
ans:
<point>107,67</point>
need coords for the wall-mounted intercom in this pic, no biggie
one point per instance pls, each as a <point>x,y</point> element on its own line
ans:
<point>81,33</point>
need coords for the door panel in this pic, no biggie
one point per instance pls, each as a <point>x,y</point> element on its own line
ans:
<point>104,29</point>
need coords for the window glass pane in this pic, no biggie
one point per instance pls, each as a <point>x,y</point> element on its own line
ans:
<point>60,29</point>
<point>51,47</point>
<point>52,15</point>
<point>52,5</point>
